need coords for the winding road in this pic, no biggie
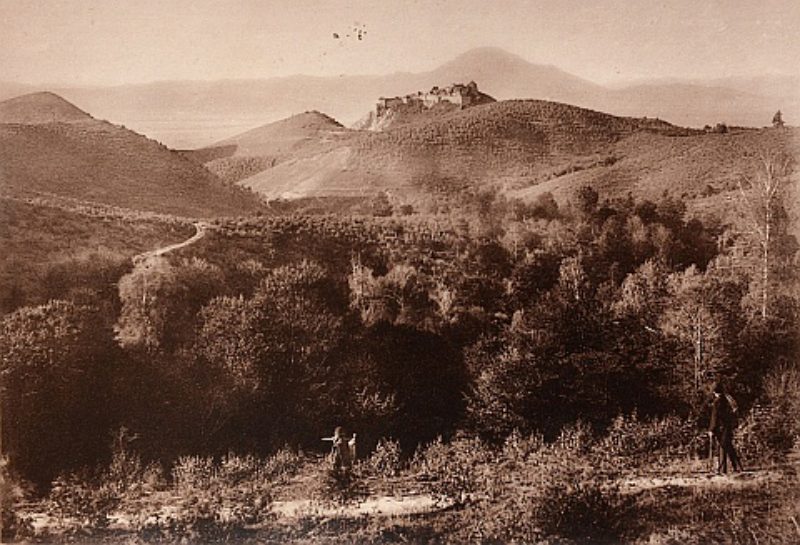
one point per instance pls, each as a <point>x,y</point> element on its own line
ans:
<point>200,231</point>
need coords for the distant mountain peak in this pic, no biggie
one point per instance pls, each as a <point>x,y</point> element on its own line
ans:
<point>39,108</point>
<point>488,52</point>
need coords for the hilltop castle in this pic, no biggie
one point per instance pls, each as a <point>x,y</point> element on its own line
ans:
<point>458,94</point>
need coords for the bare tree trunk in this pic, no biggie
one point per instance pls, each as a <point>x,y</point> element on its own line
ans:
<point>765,262</point>
<point>2,465</point>
<point>698,352</point>
<point>763,191</point>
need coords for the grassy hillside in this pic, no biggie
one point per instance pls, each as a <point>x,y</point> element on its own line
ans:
<point>701,169</point>
<point>510,142</point>
<point>249,153</point>
<point>41,107</point>
<point>275,139</point>
<point>527,148</point>
<point>100,162</point>
<point>49,146</point>
<point>46,247</point>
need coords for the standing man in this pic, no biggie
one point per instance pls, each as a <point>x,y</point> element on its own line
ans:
<point>722,426</point>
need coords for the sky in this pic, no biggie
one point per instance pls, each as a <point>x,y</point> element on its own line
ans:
<point>111,42</point>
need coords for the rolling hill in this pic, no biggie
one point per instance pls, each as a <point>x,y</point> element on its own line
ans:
<point>49,146</point>
<point>38,108</point>
<point>523,148</point>
<point>503,144</point>
<point>277,139</point>
<point>249,153</point>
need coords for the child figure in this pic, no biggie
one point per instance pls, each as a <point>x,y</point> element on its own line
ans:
<point>343,449</point>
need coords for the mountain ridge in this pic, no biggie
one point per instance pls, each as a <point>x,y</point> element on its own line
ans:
<point>192,114</point>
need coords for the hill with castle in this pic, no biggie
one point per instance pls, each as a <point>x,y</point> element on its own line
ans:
<point>399,110</point>
<point>423,146</point>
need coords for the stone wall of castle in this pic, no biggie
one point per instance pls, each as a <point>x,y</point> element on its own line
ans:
<point>459,94</point>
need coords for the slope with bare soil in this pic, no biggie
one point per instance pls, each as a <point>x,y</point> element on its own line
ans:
<point>249,153</point>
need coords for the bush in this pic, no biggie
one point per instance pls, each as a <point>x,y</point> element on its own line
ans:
<point>191,472</point>
<point>282,465</point>
<point>782,390</point>
<point>639,442</point>
<point>126,476</point>
<point>13,491</point>
<point>385,461</point>
<point>235,480</point>
<point>213,502</point>
<point>454,470</point>
<point>542,490</point>
<point>764,436</point>
<point>194,518</point>
<point>81,502</point>
<point>340,486</point>
<point>586,510</point>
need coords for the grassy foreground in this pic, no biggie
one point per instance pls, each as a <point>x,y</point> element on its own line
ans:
<point>639,483</point>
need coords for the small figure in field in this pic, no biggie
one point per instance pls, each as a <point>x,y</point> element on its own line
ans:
<point>777,120</point>
<point>343,449</point>
<point>722,426</point>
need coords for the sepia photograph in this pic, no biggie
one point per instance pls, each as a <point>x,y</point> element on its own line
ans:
<point>320,272</point>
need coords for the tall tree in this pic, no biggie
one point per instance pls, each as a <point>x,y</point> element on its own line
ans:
<point>761,193</point>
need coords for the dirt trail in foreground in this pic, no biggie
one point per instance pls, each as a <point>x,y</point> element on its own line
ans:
<point>744,479</point>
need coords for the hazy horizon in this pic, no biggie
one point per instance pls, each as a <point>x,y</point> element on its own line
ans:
<point>78,43</point>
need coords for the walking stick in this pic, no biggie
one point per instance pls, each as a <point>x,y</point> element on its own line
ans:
<point>710,452</point>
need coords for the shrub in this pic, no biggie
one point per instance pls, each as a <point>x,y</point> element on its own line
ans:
<point>639,442</point>
<point>193,518</point>
<point>454,470</point>
<point>191,472</point>
<point>543,490</point>
<point>282,465</point>
<point>385,460</point>
<point>341,486</point>
<point>126,475</point>
<point>782,390</point>
<point>212,502</point>
<point>764,435</point>
<point>234,478</point>
<point>80,502</point>
<point>13,491</point>
<point>586,510</point>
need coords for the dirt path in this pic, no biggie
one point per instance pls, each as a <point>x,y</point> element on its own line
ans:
<point>384,506</point>
<point>289,509</point>
<point>743,479</point>
<point>200,231</point>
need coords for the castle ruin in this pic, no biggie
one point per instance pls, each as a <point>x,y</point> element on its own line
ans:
<point>459,94</point>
